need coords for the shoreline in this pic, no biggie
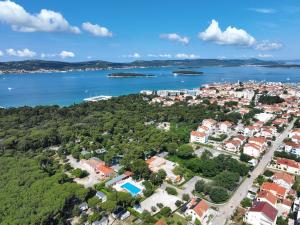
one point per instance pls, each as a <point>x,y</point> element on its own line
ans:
<point>82,101</point>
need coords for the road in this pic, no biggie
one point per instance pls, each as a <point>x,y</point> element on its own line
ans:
<point>226,210</point>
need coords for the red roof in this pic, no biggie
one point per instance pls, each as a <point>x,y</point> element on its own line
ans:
<point>260,140</point>
<point>198,134</point>
<point>265,208</point>
<point>290,179</point>
<point>288,162</point>
<point>105,170</point>
<point>268,196</point>
<point>201,208</point>
<point>267,186</point>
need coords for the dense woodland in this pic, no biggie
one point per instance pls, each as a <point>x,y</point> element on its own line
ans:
<point>124,126</point>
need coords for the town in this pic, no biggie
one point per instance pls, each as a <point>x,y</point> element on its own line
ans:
<point>242,168</point>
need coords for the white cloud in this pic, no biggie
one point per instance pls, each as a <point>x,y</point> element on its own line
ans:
<point>231,36</point>
<point>48,55</point>
<point>268,46</point>
<point>20,53</point>
<point>160,55</point>
<point>45,21</point>
<point>96,30</point>
<point>186,56</point>
<point>134,55</point>
<point>1,53</point>
<point>265,56</point>
<point>66,54</point>
<point>264,10</point>
<point>175,37</point>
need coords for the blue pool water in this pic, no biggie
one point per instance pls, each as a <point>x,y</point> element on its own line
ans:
<point>72,87</point>
<point>133,190</point>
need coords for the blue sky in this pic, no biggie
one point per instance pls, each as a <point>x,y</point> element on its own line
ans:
<point>127,30</point>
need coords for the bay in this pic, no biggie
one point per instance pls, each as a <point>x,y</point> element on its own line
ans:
<point>72,87</point>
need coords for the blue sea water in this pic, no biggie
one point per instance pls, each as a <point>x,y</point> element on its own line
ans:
<point>72,87</point>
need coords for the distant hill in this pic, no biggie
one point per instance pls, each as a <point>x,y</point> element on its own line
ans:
<point>29,66</point>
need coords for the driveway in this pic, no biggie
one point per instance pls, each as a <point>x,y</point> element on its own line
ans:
<point>226,210</point>
<point>88,181</point>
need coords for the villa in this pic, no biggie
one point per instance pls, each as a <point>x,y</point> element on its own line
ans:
<point>157,163</point>
<point>287,165</point>
<point>284,179</point>
<point>198,209</point>
<point>277,190</point>
<point>261,213</point>
<point>198,137</point>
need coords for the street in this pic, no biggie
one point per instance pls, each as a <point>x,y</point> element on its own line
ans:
<point>226,210</point>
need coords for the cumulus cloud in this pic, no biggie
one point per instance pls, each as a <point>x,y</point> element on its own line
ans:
<point>1,53</point>
<point>175,37</point>
<point>20,53</point>
<point>160,55</point>
<point>231,36</point>
<point>66,54</point>
<point>134,55</point>
<point>265,56</point>
<point>45,21</point>
<point>96,30</point>
<point>186,56</point>
<point>268,46</point>
<point>264,10</point>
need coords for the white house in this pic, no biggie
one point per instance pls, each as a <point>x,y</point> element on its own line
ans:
<point>210,123</point>
<point>292,147</point>
<point>197,210</point>
<point>198,137</point>
<point>284,179</point>
<point>225,126</point>
<point>252,149</point>
<point>261,213</point>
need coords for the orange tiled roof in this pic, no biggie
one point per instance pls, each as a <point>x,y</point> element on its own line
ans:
<point>267,186</point>
<point>198,134</point>
<point>268,196</point>
<point>290,179</point>
<point>288,162</point>
<point>201,208</point>
<point>105,169</point>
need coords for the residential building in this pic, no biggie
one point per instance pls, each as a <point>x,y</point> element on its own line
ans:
<point>198,137</point>
<point>277,190</point>
<point>197,209</point>
<point>225,126</point>
<point>267,196</point>
<point>261,213</point>
<point>284,179</point>
<point>252,149</point>
<point>287,165</point>
<point>292,147</point>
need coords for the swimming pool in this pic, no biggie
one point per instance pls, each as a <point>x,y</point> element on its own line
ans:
<point>133,190</point>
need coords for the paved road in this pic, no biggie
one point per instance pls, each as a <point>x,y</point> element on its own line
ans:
<point>225,211</point>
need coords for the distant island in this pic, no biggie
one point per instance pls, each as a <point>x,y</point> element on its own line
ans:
<point>187,73</point>
<point>42,66</point>
<point>129,75</point>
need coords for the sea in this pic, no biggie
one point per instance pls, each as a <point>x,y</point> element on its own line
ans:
<point>72,87</point>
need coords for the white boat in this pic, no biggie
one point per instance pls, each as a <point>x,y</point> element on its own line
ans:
<point>97,98</point>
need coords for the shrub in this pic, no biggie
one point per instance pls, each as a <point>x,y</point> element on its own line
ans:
<point>165,211</point>
<point>171,191</point>
<point>79,173</point>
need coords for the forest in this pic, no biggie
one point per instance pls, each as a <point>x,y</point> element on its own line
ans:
<point>125,127</point>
